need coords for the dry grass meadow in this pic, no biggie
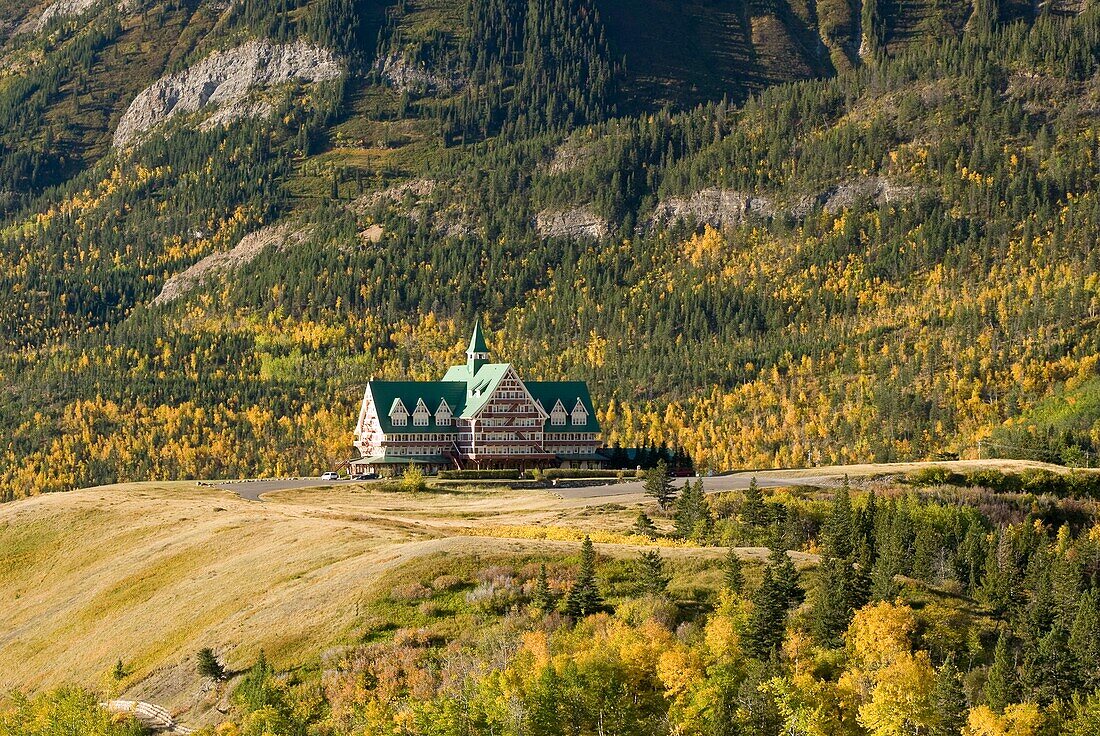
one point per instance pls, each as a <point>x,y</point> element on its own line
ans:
<point>151,572</point>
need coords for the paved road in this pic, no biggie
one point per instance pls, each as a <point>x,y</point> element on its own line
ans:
<point>251,489</point>
<point>734,482</point>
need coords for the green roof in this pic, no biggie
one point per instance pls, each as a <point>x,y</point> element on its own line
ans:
<point>386,394</point>
<point>467,395</point>
<point>548,393</point>
<point>477,340</point>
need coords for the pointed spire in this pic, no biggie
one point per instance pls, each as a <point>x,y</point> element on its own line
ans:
<point>477,354</point>
<point>477,341</point>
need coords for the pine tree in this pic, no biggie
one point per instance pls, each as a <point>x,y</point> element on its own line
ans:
<point>542,597</point>
<point>584,596</point>
<point>778,591</point>
<point>693,516</point>
<point>1001,686</point>
<point>949,703</point>
<point>644,526</point>
<point>734,574</point>
<point>1084,639</point>
<point>119,671</point>
<point>208,664</point>
<point>838,531</point>
<point>658,484</point>
<point>752,507</point>
<point>833,602</point>
<point>652,573</point>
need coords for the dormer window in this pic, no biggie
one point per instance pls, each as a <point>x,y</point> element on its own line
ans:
<point>557,415</point>
<point>443,414</point>
<point>580,414</point>
<point>399,415</point>
<point>421,414</point>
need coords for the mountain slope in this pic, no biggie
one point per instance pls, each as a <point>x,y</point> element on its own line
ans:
<point>886,265</point>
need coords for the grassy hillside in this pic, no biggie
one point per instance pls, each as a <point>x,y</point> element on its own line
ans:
<point>150,573</point>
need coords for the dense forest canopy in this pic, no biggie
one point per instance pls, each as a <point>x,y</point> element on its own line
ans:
<point>894,260</point>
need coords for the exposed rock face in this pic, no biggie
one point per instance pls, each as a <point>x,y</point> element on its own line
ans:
<point>407,76</point>
<point>714,207</point>
<point>59,9</point>
<point>225,78</point>
<point>726,207</point>
<point>250,246</point>
<point>879,189</point>
<point>573,223</point>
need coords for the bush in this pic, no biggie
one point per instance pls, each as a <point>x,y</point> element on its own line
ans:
<point>563,473</point>
<point>410,592</point>
<point>936,475</point>
<point>508,474</point>
<point>447,582</point>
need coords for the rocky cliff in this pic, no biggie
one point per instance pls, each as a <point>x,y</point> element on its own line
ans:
<point>224,79</point>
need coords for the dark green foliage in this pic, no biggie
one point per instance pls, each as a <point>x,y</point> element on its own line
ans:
<point>693,516</point>
<point>651,573</point>
<point>752,507</point>
<point>778,591</point>
<point>643,526</point>
<point>543,599</point>
<point>658,485</point>
<point>584,597</point>
<point>1002,684</point>
<point>838,531</point>
<point>1084,638</point>
<point>949,701</point>
<point>733,574</point>
<point>207,664</point>
<point>119,672</point>
<point>840,591</point>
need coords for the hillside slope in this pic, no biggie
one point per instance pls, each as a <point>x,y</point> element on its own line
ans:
<point>883,265</point>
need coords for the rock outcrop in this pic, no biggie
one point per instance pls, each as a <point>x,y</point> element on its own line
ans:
<point>878,189</point>
<point>714,207</point>
<point>250,246</point>
<point>406,76</point>
<point>727,207</point>
<point>572,223</point>
<point>225,78</point>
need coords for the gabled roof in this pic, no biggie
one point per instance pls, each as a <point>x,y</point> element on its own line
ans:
<point>567,392</point>
<point>479,387</point>
<point>387,393</point>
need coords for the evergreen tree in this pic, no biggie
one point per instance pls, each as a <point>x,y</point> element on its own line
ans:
<point>949,703</point>
<point>1001,684</point>
<point>834,601</point>
<point>658,484</point>
<point>119,671</point>
<point>838,531</point>
<point>644,526</point>
<point>542,597</point>
<point>693,517</point>
<point>208,664</point>
<point>778,591</point>
<point>584,596</point>
<point>651,572</point>
<point>752,507</point>
<point>734,576</point>
<point>1084,639</point>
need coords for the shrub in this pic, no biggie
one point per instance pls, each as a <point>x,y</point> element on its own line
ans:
<point>447,582</point>
<point>208,664</point>
<point>935,475</point>
<point>410,592</point>
<point>507,474</point>
<point>564,473</point>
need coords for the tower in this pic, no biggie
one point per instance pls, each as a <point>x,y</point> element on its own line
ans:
<point>477,354</point>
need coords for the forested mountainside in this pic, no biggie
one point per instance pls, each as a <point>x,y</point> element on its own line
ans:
<point>221,218</point>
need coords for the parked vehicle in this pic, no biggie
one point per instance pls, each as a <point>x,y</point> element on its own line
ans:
<point>365,476</point>
<point>330,475</point>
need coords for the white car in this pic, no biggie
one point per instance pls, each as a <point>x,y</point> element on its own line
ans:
<point>330,476</point>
